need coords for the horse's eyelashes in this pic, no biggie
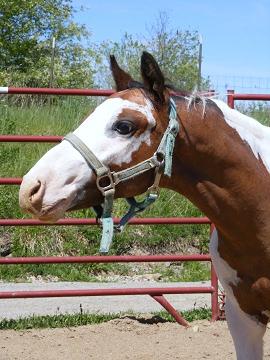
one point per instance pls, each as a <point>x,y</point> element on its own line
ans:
<point>124,127</point>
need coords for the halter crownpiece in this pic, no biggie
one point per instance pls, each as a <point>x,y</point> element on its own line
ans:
<point>161,161</point>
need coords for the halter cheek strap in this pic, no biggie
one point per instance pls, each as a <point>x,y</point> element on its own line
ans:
<point>106,180</point>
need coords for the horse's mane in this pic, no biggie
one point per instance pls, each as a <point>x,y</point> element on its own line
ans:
<point>194,97</point>
<point>177,92</point>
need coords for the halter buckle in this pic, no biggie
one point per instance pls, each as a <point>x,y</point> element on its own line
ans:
<point>108,184</point>
<point>153,191</point>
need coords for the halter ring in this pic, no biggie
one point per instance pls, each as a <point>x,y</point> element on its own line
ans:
<point>106,187</point>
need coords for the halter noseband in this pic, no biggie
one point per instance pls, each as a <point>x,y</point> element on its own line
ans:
<point>106,180</point>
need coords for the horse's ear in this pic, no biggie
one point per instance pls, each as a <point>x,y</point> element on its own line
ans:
<point>121,78</point>
<point>153,78</point>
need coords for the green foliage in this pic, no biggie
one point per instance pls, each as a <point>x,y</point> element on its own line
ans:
<point>28,26</point>
<point>26,31</point>
<point>176,51</point>
<point>260,111</point>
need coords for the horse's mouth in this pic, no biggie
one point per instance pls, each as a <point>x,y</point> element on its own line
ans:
<point>51,213</point>
<point>82,201</point>
<point>54,212</point>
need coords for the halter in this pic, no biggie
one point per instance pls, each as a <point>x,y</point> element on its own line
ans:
<point>106,180</point>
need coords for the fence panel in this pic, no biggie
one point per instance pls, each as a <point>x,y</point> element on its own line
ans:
<point>155,293</point>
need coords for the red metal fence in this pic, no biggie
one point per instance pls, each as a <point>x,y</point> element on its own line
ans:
<point>155,293</point>
<point>232,96</point>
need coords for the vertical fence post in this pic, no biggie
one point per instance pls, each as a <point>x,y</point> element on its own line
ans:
<point>230,98</point>
<point>214,284</point>
<point>52,63</point>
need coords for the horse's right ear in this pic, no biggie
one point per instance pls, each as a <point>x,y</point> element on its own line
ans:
<point>153,78</point>
<point>121,78</point>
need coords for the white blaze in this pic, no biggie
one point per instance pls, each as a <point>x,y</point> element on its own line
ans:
<point>97,133</point>
<point>63,169</point>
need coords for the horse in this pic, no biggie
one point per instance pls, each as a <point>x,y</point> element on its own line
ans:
<point>216,157</point>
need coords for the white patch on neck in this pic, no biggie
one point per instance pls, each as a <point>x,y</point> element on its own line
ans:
<point>250,130</point>
<point>97,133</point>
<point>227,275</point>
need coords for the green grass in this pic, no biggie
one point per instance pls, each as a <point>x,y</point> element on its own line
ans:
<point>62,321</point>
<point>17,158</point>
<point>181,271</point>
<point>259,110</point>
<point>195,271</point>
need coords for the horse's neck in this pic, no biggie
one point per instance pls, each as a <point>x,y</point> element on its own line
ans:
<point>216,170</point>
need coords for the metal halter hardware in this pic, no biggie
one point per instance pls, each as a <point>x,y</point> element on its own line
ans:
<point>161,161</point>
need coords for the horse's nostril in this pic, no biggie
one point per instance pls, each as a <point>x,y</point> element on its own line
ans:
<point>36,195</point>
<point>35,189</point>
<point>31,195</point>
<point>70,179</point>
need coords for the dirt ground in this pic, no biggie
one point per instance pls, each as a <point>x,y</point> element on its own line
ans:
<point>122,339</point>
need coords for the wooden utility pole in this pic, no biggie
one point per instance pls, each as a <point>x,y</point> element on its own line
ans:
<point>200,63</point>
<point>52,63</point>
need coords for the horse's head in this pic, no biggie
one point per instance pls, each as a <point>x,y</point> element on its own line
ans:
<point>123,131</point>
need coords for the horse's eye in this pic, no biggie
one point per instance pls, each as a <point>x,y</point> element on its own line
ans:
<point>124,127</point>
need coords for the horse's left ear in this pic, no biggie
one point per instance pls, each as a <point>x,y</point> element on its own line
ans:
<point>121,78</point>
<point>153,78</point>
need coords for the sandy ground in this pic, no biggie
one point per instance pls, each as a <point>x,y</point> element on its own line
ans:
<point>121,339</point>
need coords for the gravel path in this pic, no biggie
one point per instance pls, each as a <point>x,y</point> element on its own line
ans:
<point>14,308</point>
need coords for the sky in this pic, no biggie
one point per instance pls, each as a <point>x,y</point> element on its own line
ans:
<point>236,34</point>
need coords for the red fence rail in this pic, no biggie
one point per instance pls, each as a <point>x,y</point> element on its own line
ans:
<point>92,221</point>
<point>232,96</point>
<point>55,91</point>
<point>155,293</point>
<point>70,92</point>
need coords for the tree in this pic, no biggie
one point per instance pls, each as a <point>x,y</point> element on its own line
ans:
<point>176,51</point>
<point>26,31</point>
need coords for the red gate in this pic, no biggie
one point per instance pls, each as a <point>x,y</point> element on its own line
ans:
<point>155,293</point>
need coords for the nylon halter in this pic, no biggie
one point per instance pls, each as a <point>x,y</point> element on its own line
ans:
<point>106,180</point>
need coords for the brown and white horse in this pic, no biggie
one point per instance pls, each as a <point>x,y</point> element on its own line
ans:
<point>221,163</point>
